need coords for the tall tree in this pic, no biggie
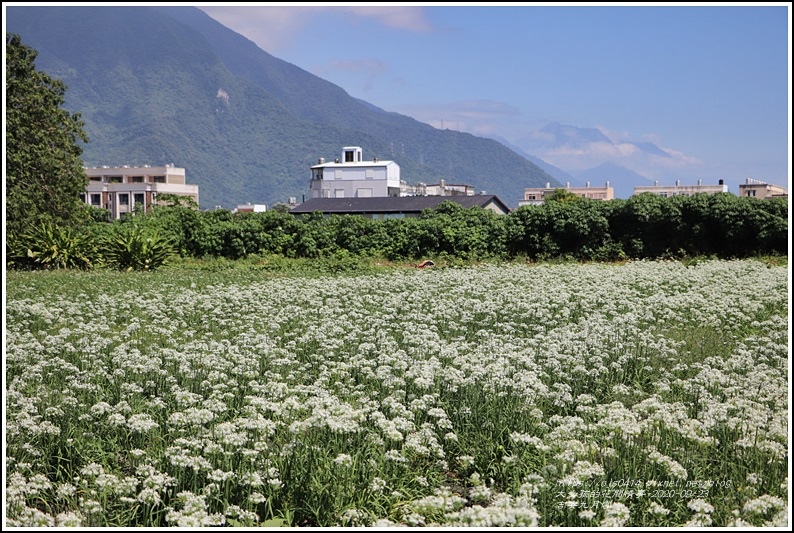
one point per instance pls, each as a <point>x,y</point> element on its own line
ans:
<point>44,171</point>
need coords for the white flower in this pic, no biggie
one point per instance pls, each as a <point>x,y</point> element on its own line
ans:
<point>700,506</point>
<point>141,423</point>
<point>764,503</point>
<point>256,497</point>
<point>378,484</point>
<point>616,514</point>
<point>343,459</point>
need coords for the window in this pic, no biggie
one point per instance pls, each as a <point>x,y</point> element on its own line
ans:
<point>124,199</point>
<point>114,179</point>
<point>138,198</point>
<point>349,157</point>
<point>137,179</point>
<point>159,179</point>
<point>96,178</point>
<point>96,199</point>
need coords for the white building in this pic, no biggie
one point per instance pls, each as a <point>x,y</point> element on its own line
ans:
<point>682,190</point>
<point>353,177</point>
<point>120,189</point>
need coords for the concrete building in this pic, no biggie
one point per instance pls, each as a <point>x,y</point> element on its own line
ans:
<point>682,190</point>
<point>353,177</point>
<point>120,189</point>
<point>761,189</point>
<point>538,195</point>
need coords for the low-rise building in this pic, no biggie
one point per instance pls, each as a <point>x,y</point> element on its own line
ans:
<point>538,195</point>
<point>395,207</point>
<point>666,191</point>
<point>761,189</point>
<point>121,189</point>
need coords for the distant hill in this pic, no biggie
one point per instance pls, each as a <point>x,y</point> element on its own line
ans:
<point>158,85</point>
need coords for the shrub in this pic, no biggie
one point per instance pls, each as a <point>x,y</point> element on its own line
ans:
<point>49,246</point>
<point>132,248</point>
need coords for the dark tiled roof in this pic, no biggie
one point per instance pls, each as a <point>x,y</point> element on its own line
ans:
<point>404,204</point>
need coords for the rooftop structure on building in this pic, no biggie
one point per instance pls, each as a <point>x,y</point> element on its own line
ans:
<point>120,189</point>
<point>538,195</point>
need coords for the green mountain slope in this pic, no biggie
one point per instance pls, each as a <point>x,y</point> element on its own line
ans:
<point>159,85</point>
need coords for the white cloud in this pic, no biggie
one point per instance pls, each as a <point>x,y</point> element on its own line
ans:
<point>410,18</point>
<point>274,27</point>
<point>478,117</point>
<point>626,154</point>
<point>366,66</point>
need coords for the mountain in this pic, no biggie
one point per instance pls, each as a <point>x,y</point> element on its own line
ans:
<point>620,178</point>
<point>168,84</point>
<point>557,173</point>
<point>556,134</point>
<point>589,154</point>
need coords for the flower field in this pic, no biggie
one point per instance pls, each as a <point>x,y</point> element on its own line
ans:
<point>650,393</point>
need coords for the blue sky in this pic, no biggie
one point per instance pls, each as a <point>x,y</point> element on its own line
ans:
<point>709,84</point>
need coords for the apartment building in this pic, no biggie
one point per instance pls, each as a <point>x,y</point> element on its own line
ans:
<point>120,189</point>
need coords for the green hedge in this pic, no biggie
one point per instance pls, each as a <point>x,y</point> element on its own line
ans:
<point>644,226</point>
